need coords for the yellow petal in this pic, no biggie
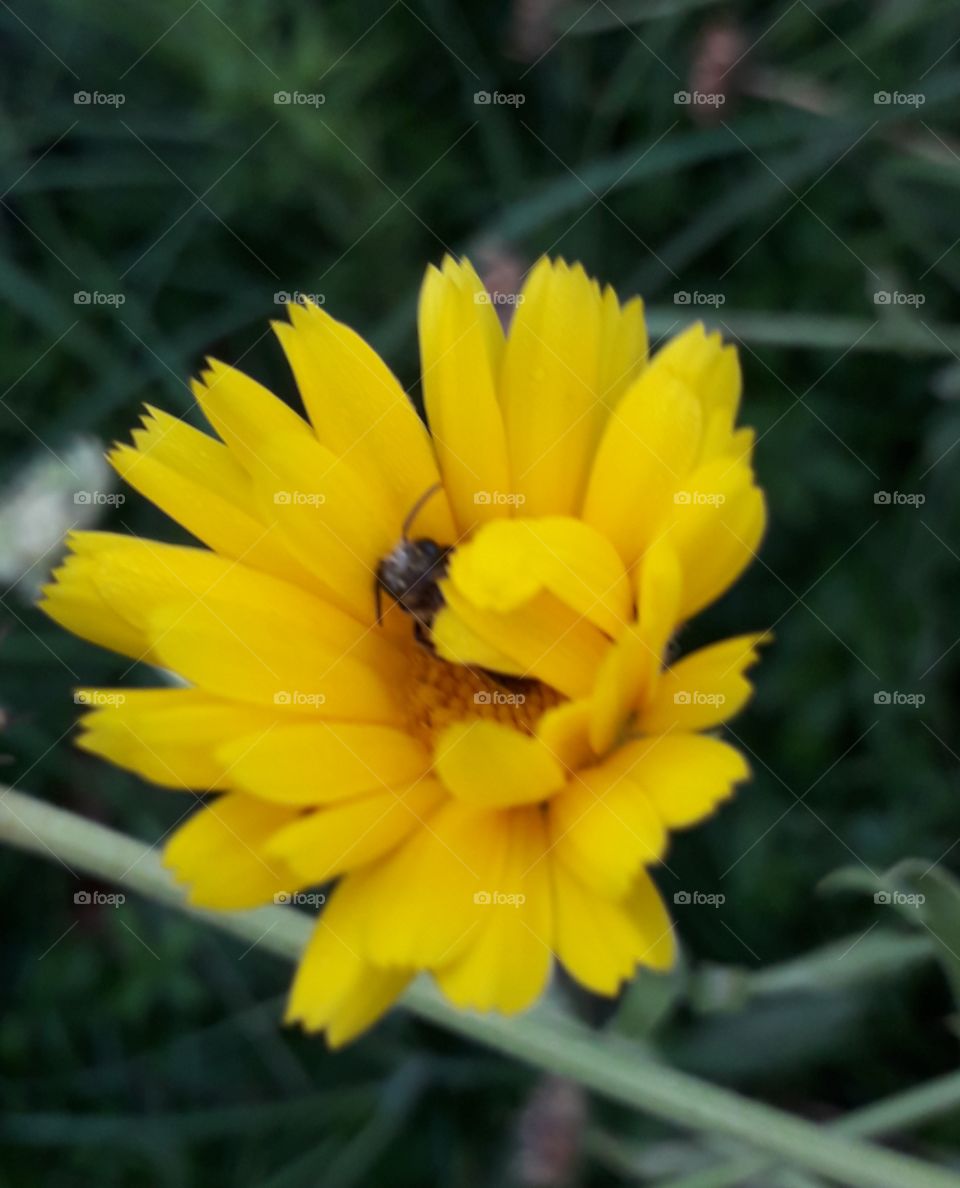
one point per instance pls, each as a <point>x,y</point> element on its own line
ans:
<point>416,907</point>
<point>543,638</point>
<point>219,852</point>
<point>685,776</point>
<point>711,370</point>
<point>601,941</point>
<point>361,414</point>
<point>491,765</point>
<point>198,483</point>
<point>605,829</point>
<point>351,833</point>
<point>460,644</point>
<point>652,919</point>
<point>332,520</point>
<point>631,665</point>
<point>74,600</point>
<point>134,577</point>
<point>550,387</point>
<point>623,346</point>
<point>460,348</point>
<point>647,449</point>
<point>252,656</point>
<point>316,762</point>
<point>243,413</point>
<point>508,562</point>
<point>335,990</point>
<point>508,958</point>
<point>716,531</point>
<point>563,730</point>
<point>236,632</point>
<point>703,689</point>
<point>168,736</point>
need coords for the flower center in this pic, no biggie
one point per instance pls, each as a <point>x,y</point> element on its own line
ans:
<point>439,693</point>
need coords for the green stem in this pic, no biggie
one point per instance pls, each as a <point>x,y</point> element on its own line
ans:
<point>896,335</point>
<point>608,1066</point>
<point>899,1113</point>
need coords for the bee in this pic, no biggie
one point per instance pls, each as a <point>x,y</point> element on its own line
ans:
<point>411,572</point>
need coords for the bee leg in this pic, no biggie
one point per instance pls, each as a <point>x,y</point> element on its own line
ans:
<point>421,633</point>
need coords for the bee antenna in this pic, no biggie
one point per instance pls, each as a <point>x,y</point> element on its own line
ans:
<point>417,508</point>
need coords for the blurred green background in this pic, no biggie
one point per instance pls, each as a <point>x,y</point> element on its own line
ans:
<point>807,216</point>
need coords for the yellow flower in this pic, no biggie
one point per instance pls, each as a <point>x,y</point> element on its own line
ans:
<point>490,788</point>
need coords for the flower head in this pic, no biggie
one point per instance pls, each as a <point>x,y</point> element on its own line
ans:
<point>432,664</point>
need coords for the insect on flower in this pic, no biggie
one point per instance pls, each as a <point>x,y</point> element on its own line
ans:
<point>487,781</point>
<point>411,573</point>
